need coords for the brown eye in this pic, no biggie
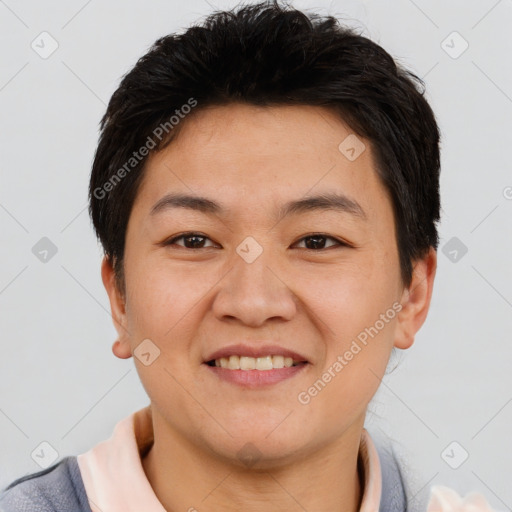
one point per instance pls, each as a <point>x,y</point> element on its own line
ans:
<point>190,241</point>
<point>315,242</point>
<point>318,241</point>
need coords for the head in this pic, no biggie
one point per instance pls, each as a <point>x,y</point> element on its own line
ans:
<point>317,160</point>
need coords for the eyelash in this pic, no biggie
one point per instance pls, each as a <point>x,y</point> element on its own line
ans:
<point>172,241</point>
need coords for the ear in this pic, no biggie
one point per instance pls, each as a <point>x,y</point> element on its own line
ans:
<point>416,300</point>
<point>121,347</point>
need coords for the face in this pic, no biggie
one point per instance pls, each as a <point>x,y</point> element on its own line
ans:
<point>252,276</point>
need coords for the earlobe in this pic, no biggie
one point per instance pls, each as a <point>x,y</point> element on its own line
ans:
<point>121,350</point>
<point>416,300</point>
<point>121,347</point>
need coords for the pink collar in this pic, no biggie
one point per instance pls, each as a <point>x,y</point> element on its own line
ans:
<point>115,481</point>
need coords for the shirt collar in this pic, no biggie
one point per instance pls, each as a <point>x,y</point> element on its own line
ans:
<point>115,481</point>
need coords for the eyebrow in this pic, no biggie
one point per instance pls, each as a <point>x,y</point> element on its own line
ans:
<point>322,202</point>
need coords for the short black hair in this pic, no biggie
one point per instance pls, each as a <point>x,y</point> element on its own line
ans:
<point>268,54</point>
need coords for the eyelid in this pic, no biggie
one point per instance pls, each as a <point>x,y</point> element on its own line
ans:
<point>172,240</point>
<point>339,242</point>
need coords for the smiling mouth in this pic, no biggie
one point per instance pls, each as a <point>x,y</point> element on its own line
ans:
<point>269,362</point>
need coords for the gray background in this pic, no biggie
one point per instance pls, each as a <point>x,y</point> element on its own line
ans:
<point>60,382</point>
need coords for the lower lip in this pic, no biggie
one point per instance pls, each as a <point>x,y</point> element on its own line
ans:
<point>256,378</point>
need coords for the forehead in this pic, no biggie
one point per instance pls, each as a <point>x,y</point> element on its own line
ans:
<point>263,155</point>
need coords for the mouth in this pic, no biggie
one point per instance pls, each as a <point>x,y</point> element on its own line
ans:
<point>252,367</point>
<point>247,363</point>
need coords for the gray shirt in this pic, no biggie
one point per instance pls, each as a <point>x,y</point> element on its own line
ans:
<point>60,488</point>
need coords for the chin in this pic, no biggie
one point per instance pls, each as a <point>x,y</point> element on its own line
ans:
<point>259,448</point>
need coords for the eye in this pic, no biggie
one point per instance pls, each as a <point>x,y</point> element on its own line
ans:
<point>317,241</point>
<point>191,240</point>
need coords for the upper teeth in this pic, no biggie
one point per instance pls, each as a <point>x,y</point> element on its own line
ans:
<point>254,363</point>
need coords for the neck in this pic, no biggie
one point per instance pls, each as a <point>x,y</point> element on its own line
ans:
<point>187,478</point>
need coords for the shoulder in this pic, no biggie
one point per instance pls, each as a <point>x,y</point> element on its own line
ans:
<point>58,488</point>
<point>400,478</point>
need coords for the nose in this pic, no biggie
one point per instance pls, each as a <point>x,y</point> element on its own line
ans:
<point>253,293</point>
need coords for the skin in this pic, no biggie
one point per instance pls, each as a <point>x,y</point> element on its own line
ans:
<point>191,302</point>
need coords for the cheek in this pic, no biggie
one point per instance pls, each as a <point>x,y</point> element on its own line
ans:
<point>349,295</point>
<point>358,346</point>
<point>155,298</point>
<point>357,309</point>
